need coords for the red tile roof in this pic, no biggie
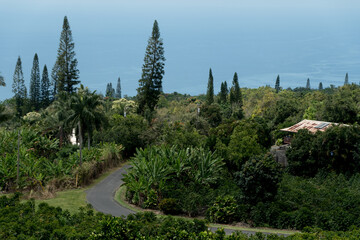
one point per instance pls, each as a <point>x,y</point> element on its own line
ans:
<point>311,125</point>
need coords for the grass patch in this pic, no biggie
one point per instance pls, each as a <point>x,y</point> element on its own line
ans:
<point>262,230</point>
<point>70,200</point>
<point>120,198</point>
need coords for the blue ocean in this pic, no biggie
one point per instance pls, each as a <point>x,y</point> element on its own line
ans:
<point>319,40</point>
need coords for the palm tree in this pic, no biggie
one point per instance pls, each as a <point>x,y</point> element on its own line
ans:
<point>58,121</point>
<point>84,113</point>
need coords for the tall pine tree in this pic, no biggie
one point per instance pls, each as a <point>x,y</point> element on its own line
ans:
<point>34,91</point>
<point>65,73</point>
<point>110,91</point>
<point>308,83</point>
<point>118,89</point>
<point>18,87</point>
<point>150,84</point>
<point>277,84</point>
<point>346,82</point>
<point>235,92</point>
<point>320,86</point>
<point>45,88</point>
<point>210,89</point>
<point>223,92</point>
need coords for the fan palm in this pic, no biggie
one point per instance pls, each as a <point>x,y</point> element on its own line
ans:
<point>84,112</point>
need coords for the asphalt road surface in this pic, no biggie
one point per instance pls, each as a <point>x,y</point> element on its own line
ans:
<point>101,197</point>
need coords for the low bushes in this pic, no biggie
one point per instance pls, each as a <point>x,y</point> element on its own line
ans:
<point>25,221</point>
<point>96,161</point>
<point>170,206</point>
<point>224,210</point>
<point>329,202</point>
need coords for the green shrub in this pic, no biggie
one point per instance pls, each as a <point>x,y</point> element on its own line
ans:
<point>126,131</point>
<point>224,210</point>
<point>259,179</point>
<point>170,206</point>
<point>151,199</point>
<point>161,168</point>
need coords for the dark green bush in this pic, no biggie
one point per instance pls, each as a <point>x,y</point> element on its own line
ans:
<point>170,206</point>
<point>259,179</point>
<point>125,131</point>
<point>224,210</point>
<point>327,202</point>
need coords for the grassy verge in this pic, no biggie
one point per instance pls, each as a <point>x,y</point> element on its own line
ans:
<point>73,199</point>
<point>120,198</point>
<point>261,230</point>
<point>70,200</point>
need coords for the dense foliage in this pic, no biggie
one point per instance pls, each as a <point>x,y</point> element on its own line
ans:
<point>201,155</point>
<point>206,155</point>
<point>42,161</point>
<point>162,172</point>
<point>327,202</point>
<point>28,221</point>
<point>335,150</point>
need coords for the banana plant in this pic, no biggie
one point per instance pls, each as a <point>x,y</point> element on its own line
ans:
<point>208,167</point>
<point>7,171</point>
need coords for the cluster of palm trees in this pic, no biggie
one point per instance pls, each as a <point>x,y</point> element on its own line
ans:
<point>81,110</point>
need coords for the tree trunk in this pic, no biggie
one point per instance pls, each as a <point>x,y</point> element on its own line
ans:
<point>81,142</point>
<point>61,136</point>
<point>89,139</point>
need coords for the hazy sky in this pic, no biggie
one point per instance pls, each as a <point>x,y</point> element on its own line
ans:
<point>319,39</point>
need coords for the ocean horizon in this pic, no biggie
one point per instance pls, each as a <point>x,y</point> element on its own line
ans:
<point>319,41</point>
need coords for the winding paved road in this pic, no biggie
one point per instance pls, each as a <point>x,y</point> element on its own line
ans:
<point>101,197</point>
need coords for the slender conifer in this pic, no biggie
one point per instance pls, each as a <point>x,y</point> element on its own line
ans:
<point>118,89</point>
<point>18,87</point>
<point>34,91</point>
<point>45,88</point>
<point>277,84</point>
<point>210,89</point>
<point>346,82</point>
<point>321,86</point>
<point>65,74</point>
<point>150,84</point>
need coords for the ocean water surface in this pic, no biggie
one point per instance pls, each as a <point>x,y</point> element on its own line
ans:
<point>304,39</point>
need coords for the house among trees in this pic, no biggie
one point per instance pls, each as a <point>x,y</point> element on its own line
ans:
<point>311,125</point>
